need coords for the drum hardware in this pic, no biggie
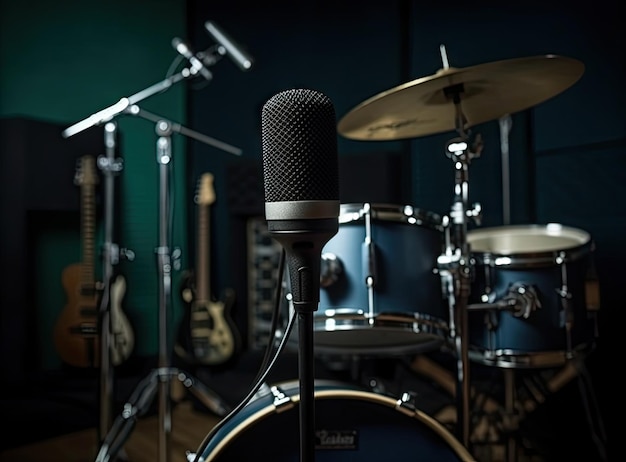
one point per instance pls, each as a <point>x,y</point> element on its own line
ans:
<point>490,418</point>
<point>331,269</point>
<point>455,99</point>
<point>505,124</point>
<point>521,300</point>
<point>454,263</point>
<point>543,270</point>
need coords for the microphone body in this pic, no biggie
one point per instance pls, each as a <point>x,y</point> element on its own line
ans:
<point>197,66</point>
<point>301,179</point>
<point>235,52</point>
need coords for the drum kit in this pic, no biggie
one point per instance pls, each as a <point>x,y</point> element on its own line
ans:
<point>398,280</point>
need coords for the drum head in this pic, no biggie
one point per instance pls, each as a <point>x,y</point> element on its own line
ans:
<point>527,244</point>
<point>512,240</point>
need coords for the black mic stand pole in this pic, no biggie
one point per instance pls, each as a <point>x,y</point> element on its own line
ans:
<point>304,272</point>
<point>306,374</point>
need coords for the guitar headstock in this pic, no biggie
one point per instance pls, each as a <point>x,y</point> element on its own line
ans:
<point>86,171</point>
<point>206,193</point>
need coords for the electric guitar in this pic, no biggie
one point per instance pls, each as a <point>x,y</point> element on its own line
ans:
<point>209,335</point>
<point>76,336</point>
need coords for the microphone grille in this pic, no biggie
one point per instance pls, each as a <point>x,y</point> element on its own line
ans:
<point>299,139</point>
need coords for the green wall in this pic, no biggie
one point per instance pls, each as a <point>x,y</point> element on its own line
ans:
<point>62,61</point>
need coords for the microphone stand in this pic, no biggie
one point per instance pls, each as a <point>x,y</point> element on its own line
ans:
<point>304,271</point>
<point>164,129</point>
<point>306,373</point>
<point>110,166</point>
<point>166,260</point>
<point>108,113</point>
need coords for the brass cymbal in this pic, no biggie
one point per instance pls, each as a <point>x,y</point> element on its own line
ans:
<point>487,92</point>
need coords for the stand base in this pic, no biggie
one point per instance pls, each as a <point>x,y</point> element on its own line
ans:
<point>140,402</point>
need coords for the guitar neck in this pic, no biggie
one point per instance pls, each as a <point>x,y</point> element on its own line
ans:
<point>88,230</point>
<point>203,270</point>
<point>206,197</point>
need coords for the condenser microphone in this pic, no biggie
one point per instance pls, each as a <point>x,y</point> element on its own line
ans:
<point>234,51</point>
<point>301,178</point>
<point>197,66</point>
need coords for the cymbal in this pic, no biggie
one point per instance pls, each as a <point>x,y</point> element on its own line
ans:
<point>487,92</point>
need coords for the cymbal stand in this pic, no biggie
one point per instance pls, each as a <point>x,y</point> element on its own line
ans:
<point>454,262</point>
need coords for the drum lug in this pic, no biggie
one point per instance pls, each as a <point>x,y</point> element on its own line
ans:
<point>407,403</point>
<point>331,269</point>
<point>281,402</point>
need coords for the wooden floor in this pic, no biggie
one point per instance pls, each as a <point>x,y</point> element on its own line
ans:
<point>189,428</point>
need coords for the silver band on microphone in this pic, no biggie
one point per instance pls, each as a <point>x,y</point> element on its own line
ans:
<point>301,210</point>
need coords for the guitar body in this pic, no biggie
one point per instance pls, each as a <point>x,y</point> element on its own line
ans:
<point>122,335</point>
<point>76,331</point>
<point>209,336</point>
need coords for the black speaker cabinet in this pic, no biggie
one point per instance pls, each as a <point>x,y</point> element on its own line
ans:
<point>36,177</point>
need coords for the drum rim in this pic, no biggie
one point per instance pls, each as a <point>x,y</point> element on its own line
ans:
<point>581,241</point>
<point>354,211</point>
<point>347,392</point>
<point>519,359</point>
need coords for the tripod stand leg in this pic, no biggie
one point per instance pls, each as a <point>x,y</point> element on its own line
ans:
<point>137,405</point>
<point>207,397</point>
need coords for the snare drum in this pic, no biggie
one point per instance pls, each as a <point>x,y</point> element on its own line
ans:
<point>350,425</point>
<point>380,293</point>
<point>545,269</point>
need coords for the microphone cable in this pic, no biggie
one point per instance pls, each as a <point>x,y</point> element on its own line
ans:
<point>266,365</point>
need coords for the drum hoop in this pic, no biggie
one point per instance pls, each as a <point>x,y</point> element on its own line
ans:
<point>435,425</point>
<point>520,359</point>
<point>564,254</point>
<point>405,214</point>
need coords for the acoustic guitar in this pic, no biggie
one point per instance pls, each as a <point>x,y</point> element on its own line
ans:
<point>76,335</point>
<point>208,335</point>
<point>77,330</point>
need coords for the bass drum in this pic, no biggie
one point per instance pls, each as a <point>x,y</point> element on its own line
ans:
<point>351,425</point>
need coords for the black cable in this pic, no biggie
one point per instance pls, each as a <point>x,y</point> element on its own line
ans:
<point>266,365</point>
